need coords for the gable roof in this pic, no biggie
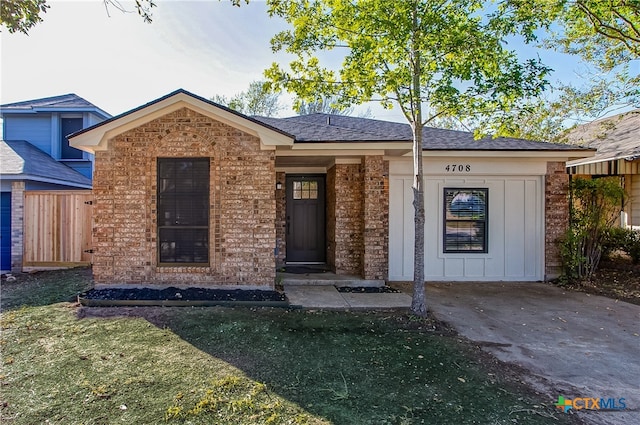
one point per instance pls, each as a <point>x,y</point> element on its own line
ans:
<point>314,128</point>
<point>323,128</point>
<point>20,159</point>
<point>67,102</point>
<point>94,138</point>
<point>616,137</point>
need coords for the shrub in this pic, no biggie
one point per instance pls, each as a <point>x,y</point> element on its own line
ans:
<point>626,240</point>
<point>594,207</point>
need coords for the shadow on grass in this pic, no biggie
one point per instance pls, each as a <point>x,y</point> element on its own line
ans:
<point>44,288</point>
<point>356,368</point>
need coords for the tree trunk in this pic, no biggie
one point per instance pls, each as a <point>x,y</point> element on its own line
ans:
<point>418,302</point>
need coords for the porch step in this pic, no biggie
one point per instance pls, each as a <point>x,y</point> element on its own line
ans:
<point>333,280</point>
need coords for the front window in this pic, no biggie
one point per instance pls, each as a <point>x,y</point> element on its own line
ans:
<point>183,211</point>
<point>465,220</point>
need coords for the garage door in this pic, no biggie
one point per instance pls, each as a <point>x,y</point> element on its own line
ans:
<point>5,231</point>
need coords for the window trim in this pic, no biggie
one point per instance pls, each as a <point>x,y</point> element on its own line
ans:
<point>159,227</point>
<point>485,247</point>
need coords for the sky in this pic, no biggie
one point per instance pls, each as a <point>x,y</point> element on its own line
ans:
<point>118,62</point>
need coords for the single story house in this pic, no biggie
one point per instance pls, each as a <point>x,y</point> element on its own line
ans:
<point>190,192</point>
<point>617,140</point>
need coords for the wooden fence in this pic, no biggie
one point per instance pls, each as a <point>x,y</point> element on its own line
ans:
<point>57,229</point>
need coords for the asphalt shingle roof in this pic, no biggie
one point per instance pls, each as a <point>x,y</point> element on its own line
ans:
<point>21,158</point>
<point>616,137</point>
<point>69,101</point>
<point>319,128</point>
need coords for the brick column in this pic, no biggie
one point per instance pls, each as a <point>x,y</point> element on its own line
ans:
<point>556,216</point>
<point>376,218</point>
<point>281,220</point>
<point>17,225</point>
<point>345,218</point>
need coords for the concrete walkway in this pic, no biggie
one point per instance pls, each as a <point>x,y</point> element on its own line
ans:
<point>327,297</point>
<point>580,345</point>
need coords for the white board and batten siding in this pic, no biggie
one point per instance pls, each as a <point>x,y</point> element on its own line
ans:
<point>515,219</point>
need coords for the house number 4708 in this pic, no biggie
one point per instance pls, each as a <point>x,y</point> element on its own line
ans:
<point>459,168</point>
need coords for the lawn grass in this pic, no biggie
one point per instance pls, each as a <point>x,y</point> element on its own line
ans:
<point>68,365</point>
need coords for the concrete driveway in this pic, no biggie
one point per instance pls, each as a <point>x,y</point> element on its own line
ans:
<point>581,345</point>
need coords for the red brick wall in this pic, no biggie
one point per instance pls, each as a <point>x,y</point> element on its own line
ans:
<point>376,217</point>
<point>556,215</point>
<point>348,219</point>
<point>242,202</point>
<point>281,221</point>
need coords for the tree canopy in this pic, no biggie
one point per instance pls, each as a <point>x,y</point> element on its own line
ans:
<point>606,36</point>
<point>256,100</point>
<point>21,15</point>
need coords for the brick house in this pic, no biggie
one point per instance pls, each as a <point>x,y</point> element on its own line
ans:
<point>189,192</point>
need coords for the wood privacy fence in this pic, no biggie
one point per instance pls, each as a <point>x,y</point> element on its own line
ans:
<point>57,228</point>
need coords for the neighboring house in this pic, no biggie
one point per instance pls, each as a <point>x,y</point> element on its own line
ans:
<point>35,155</point>
<point>617,140</point>
<point>189,192</point>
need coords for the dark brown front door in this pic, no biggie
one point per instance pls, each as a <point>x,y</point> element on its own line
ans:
<point>305,219</point>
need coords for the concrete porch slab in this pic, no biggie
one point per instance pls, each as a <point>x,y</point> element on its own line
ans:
<point>377,301</point>
<point>326,279</point>
<point>327,297</point>
<point>305,296</point>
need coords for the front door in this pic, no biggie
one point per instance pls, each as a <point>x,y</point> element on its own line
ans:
<point>305,219</point>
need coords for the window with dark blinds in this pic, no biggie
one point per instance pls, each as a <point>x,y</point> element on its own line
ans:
<point>465,220</point>
<point>183,211</point>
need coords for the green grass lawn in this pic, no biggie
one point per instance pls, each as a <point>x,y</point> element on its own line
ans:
<point>62,364</point>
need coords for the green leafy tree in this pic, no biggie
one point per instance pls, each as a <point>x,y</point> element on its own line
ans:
<point>21,15</point>
<point>605,35</point>
<point>322,104</point>
<point>430,58</point>
<point>257,100</point>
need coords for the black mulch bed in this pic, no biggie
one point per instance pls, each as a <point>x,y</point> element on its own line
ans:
<point>177,294</point>
<point>368,289</point>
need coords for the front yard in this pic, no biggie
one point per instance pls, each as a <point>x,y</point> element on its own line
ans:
<point>64,364</point>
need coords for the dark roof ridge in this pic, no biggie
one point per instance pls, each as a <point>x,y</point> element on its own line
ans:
<point>174,93</point>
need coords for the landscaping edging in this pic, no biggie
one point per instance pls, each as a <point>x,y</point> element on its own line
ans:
<point>88,302</point>
<point>176,297</point>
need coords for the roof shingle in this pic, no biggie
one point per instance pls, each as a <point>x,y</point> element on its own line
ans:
<point>319,128</point>
<point>21,158</point>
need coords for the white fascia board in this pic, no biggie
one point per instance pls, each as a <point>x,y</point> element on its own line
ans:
<point>548,155</point>
<point>365,148</point>
<point>329,152</point>
<point>96,139</point>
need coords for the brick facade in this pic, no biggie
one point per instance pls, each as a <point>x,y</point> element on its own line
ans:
<point>242,203</point>
<point>17,225</point>
<point>358,218</point>
<point>345,211</point>
<point>281,220</point>
<point>376,218</point>
<point>556,215</point>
